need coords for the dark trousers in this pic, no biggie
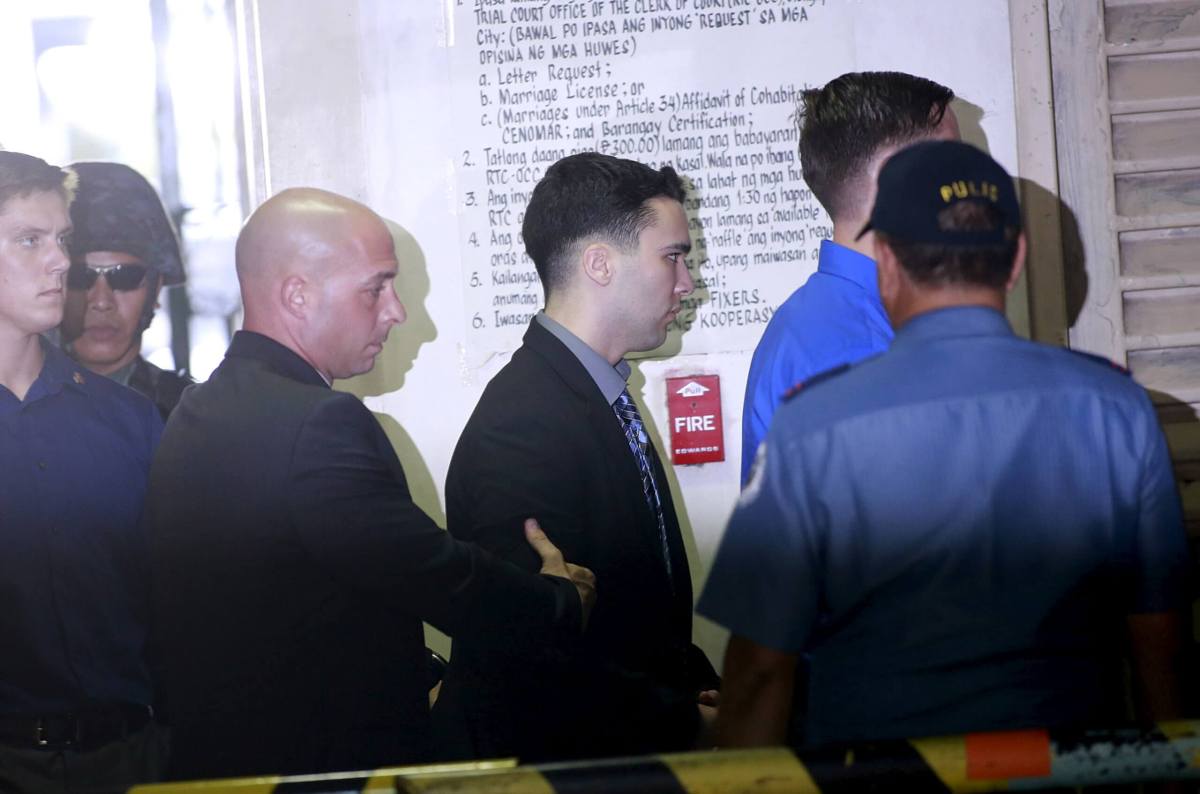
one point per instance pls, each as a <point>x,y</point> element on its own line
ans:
<point>138,758</point>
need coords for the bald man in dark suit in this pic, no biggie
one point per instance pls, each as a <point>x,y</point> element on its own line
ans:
<point>291,568</point>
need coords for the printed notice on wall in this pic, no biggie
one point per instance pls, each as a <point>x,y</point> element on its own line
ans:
<point>709,87</point>
<point>666,82</point>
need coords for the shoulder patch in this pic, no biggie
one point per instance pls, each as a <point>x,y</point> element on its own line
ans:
<point>814,380</point>
<point>1107,362</point>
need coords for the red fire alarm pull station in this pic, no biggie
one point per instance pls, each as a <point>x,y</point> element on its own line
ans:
<point>694,411</point>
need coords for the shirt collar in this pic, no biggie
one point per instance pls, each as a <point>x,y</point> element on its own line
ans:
<point>280,358</point>
<point>838,260</point>
<point>609,378</point>
<point>59,371</point>
<point>123,375</point>
<point>954,321</point>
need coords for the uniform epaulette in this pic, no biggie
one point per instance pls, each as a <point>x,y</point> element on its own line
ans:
<point>1108,362</point>
<point>814,380</point>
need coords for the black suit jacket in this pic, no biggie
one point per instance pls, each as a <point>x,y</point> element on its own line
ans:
<point>291,572</point>
<point>543,442</point>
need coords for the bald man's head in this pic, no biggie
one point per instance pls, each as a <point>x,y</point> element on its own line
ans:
<point>316,271</point>
<point>297,229</point>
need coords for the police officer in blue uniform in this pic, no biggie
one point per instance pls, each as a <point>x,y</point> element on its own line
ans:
<point>963,532</point>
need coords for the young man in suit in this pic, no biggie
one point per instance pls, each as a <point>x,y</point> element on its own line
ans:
<point>291,568</point>
<point>557,436</point>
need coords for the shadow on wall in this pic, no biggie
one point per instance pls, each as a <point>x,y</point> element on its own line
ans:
<point>700,292</point>
<point>1074,264</point>
<point>1067,280</point>
<point>405,341</point>
<point>1179,421</point>
<point>970,126</point>
<point>398,356</point>
<point>970,122</point>
<point>673,345</point>
<point>1054,268</point>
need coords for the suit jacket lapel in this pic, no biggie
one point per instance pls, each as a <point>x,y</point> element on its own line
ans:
<point>610,437</point>
<point>679,565</point>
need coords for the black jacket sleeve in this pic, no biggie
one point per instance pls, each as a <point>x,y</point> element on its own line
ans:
<point>502,472</point>
<point>353,512</point>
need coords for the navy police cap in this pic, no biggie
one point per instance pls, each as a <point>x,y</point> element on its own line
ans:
<point>917,183</point>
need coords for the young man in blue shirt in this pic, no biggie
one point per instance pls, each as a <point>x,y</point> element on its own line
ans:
<point>847,129</point>
<point>75,450</point>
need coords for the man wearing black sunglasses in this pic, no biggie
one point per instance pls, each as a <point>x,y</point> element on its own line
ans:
<point>123,250</point>
<point>75,450</point>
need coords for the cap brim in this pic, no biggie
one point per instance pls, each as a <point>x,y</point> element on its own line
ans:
<point>865,229</point>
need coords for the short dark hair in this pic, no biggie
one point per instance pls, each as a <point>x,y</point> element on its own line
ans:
<point>590,194</point>
<point>23,174</point>
<point>934,264</point>
<point>844,124</point>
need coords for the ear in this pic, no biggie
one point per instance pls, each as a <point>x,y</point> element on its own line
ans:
<point>295,296</point>
<point>887,267</point>
<point>598,263</point>
<point>866,186</point>
<point>1018,263</point>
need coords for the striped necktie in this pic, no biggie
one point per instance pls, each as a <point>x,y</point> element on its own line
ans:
<point>639,442</point>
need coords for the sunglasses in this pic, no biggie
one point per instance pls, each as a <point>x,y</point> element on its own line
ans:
<point>119,277</point>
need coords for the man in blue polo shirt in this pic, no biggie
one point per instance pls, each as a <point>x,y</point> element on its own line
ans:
<point>75,449</point>
<point>847,129</point>
<point>964,533</point>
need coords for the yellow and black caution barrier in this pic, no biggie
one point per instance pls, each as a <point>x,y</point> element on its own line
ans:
<point>1008,760</point>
